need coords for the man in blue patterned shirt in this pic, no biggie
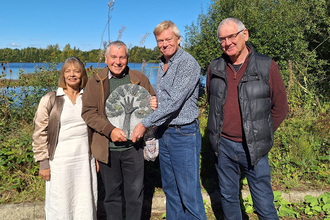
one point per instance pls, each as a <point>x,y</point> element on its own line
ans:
<point>176,117</point>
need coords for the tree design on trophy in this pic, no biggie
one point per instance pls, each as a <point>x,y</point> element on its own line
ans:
<point>127,106</point>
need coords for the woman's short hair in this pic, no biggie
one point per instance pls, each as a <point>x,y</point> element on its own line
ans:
<point>78,64</point>
<point>164,25</point>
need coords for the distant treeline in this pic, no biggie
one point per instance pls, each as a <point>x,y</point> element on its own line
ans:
<point>53,54</point>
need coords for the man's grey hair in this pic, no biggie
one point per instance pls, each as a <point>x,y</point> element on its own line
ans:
<point>117,44</point>
<point>240,25</point>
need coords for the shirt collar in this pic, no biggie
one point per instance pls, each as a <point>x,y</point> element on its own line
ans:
<point>60,91</point>
<point>112,76</point>
<point>177,54</point>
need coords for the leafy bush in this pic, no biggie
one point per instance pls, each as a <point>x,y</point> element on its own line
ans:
<point>311,207</point>
<point>19,179</point>
<point>300,156</point>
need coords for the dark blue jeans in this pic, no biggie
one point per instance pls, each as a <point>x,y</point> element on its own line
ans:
<point>179,151</point>
<point>232,156</point>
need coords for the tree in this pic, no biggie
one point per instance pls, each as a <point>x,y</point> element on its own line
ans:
<point>65,51</point>
<point>137,54</point>
<point>286,30</point>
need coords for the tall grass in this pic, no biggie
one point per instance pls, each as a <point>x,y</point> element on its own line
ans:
<point>19,179</point>
<point>300,157</point>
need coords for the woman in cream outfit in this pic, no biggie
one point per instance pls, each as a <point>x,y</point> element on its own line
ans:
<point>60,145</point>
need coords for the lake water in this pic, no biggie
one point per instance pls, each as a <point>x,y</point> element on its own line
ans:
<point>12,70</point>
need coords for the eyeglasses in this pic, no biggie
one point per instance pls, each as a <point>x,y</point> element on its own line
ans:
<point>231,37</point>
<point>120,58</point>
<point>167,40</point>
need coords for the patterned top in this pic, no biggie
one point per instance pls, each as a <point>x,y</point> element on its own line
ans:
<point>176,91</point>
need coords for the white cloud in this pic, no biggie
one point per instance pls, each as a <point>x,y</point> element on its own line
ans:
<point>15,45</point>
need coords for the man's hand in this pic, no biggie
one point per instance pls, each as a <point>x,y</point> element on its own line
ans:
<point>138,132</point>
<point>118,135</point>
<point>153,103</point>
<point>97,165</point>
<point>45,174</point>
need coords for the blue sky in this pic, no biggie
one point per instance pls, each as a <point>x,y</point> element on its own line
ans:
<point>80,23</point>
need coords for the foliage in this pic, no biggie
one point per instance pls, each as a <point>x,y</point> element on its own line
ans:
<point>287,31</point>
<point>302,145</point>
<point>50,54</point>
<point>53,54</point>
<point>18,179</point>
<point>18,172</point>
<point>137,54</point>
<point>311,207</point>
<point>316,205</point>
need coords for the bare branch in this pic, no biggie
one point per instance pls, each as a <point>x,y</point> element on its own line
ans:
<point>143,39</point>
<point>104,43</point>
<point>120,33</point>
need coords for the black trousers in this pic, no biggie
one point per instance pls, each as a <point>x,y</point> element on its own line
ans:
<point>123,176</point>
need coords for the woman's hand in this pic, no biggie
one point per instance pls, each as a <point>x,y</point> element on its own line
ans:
<point>45,174</point>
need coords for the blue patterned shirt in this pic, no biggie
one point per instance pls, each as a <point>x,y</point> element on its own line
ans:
<point>176,91</point>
